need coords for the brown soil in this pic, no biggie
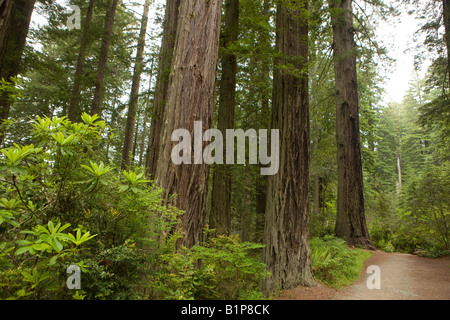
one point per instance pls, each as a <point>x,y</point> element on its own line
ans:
<point>403,277</point>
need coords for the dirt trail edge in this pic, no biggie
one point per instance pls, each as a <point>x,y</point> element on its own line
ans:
<point>402,277</point>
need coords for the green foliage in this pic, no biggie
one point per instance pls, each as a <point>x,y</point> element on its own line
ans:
<point>221,268</point>
<point>57,194</point>
<point>61,203</point>
<point>334,263</point>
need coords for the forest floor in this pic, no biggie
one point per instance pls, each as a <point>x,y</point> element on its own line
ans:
<point>403,277</point>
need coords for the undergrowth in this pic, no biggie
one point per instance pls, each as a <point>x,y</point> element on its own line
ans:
<point>334,263</point>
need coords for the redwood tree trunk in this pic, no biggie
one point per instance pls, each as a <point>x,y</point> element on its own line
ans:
<point>220,216</point>
<point>103,59</point>
<point>73,112</point>
<point>132,106</point>
<point>287,252</point>
<point>162,84</point>
<point>15,17</point>
<point>190,98</point>
<point>350,219</point>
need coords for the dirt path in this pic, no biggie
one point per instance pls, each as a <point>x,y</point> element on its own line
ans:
<point>402,277</point>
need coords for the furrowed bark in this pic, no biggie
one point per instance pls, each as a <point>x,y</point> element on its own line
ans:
<point>190,98</point>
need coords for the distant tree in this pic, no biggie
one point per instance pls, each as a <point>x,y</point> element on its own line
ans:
<point>350,219</point>
<point>73,112</point>
<point>134,95</point>
<point>220,216</point>
<point>106,40</point>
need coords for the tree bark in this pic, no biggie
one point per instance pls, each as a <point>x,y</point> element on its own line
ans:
<point>446,16</point>
<point>132,105</point>
<point>220,216</point>
<point>162,84</point>
<point>350,219</point>
<point>190,98</point>
<point>287,253</point>
<point>15,17</point>
<point>146,112</point>
<point>73,112</point>
<point>103,59</point>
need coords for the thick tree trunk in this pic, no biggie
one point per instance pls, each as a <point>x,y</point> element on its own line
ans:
<point>350,219</point>
<point>15,17</point>
<point>190,98</point>
<point>132,106</point>
<point>103,59</point>
<point>220,217</point>
<point>73,112</point>
<point>162,84</point>
<point>287,253</point>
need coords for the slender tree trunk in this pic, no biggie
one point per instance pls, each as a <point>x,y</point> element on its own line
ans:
<point>350,219</point>
<point>247,214</point>
<point>15,17</point>
<point>446,11</point>
<point>287,253</point>
<point>190,98</point>
<point>136,134</point>
<point>399,168</point>
<point>264,122</point>
<point>132,106</point>
<point>162,84</point>
<point>73,112</point>
<point>103,59</point>
<point>220,217</point>
<point>146,111</point>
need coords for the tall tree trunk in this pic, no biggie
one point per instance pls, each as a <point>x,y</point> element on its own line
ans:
<point>146,112</point>
<point>132,106</point>
<point>399,169</point>
<point>287,253</point>
<point>350,219</point>
<point>15,17</point>
<point>162,84</point>
<point>103,59</point>
<point>446,12</point>
<point>73,112</point>
<point>190,98</point>
<point>264,119</point>
<point>220,216</point>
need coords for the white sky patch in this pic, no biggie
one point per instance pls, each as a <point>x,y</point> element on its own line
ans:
<point>398,36</point>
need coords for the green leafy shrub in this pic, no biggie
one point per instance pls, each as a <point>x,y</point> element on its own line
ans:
<point>55,196</point>
<point>334,263</point>
<point>221,268</point>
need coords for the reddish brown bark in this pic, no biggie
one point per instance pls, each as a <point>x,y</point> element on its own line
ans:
<point>220,216</point>
<point>162,84</point>
<point>287,253</point>
<point>190,98</point>
<point>350,218</point>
